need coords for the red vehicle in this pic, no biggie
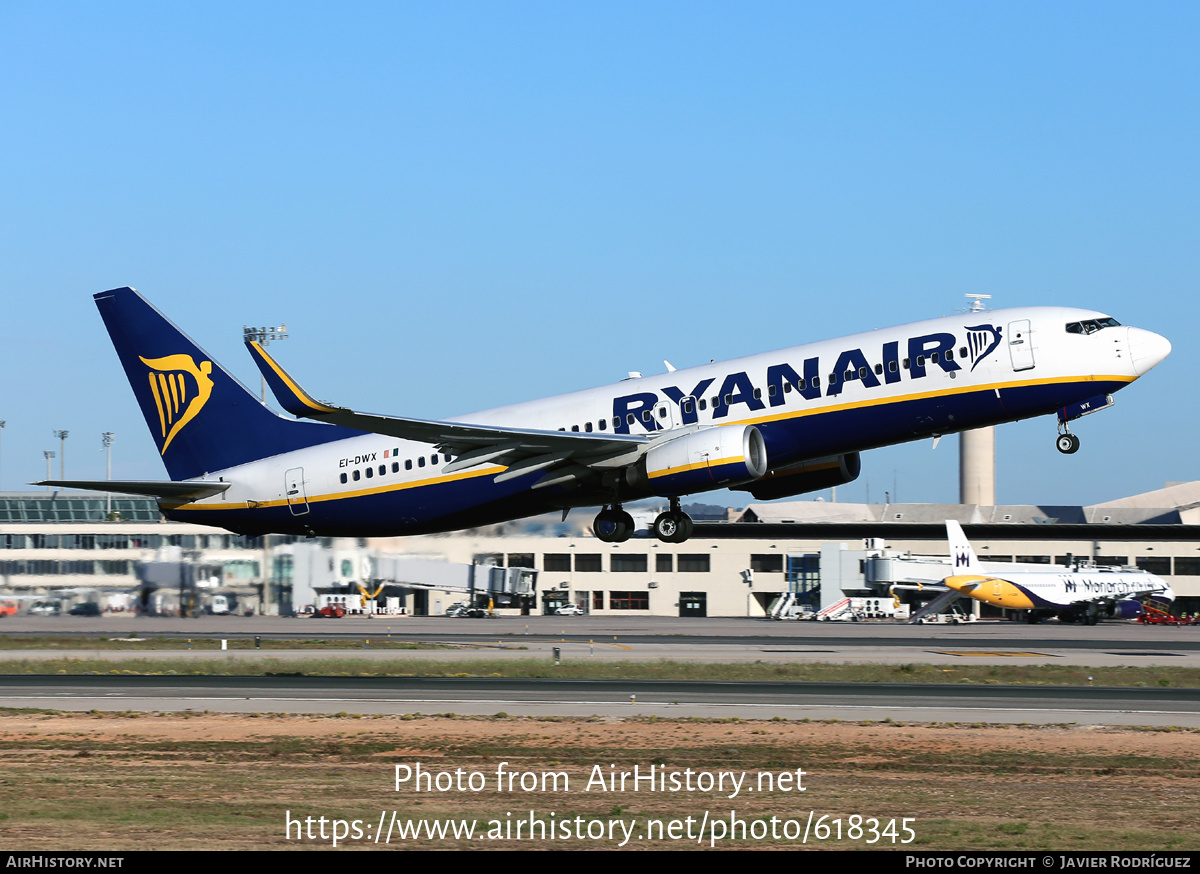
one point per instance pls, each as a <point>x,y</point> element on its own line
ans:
<point>330,611</point>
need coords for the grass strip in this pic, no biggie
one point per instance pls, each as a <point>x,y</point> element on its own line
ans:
<point>331,666</point>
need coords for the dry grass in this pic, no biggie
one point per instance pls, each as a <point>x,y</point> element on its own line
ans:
<point>177,781</point>
<point>331,665</point>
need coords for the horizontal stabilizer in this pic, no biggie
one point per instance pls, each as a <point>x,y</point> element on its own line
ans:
<point>194,489</point>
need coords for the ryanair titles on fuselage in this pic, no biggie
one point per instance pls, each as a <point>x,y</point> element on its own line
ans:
<point>815,382</point>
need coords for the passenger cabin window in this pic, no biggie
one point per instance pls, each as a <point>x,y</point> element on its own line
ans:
<point>408,464</point>
<point>370,472</point>
<point>587,426</point>
<point>357,476</point>
<point>603,423</point>
<point>421,461</point>
<point>395,467</point>
<point>343,477</point>
<point>575,428</point>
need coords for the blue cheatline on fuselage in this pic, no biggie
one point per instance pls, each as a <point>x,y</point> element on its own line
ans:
<point>450,503</point>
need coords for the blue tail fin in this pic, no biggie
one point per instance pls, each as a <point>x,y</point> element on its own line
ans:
<point>202,419</point>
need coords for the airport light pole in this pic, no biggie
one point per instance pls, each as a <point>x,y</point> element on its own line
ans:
<point>106,441</point>
<point>49,453</point>
<point>264,336</point>
<point>62,453</point>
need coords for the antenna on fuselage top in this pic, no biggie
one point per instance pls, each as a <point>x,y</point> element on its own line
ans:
<point>977,302</point>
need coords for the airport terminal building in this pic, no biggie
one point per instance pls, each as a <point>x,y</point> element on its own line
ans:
<point>77,546</point>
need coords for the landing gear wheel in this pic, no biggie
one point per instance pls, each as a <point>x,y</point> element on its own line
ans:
<point>1068,444</point>
<point>672,527</point>
<point>613,526</point>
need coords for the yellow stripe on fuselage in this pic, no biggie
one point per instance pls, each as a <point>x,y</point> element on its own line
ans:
<point>917,396</point>
<point>357,493</point>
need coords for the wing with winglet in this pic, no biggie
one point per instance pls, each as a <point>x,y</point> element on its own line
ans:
<point>564,455</point>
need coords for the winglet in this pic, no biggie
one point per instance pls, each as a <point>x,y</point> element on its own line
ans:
<point>961,552</point>
<point>290,395</point>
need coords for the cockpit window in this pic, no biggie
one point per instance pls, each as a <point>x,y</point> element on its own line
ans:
<point>1091,326</point>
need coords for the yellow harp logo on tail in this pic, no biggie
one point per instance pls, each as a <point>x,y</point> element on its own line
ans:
<point>178,403</point>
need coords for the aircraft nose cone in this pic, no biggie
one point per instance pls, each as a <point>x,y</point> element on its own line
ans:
<point>1147,349</point>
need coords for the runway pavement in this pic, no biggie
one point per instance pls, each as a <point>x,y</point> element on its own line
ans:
<point>610,698</point>
<point>654,638</point>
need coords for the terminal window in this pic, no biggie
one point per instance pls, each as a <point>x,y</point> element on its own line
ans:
<point>628,600</point>
<point>766,564</point>
<point>626,563</point>
<point>588,562</point>
<point>559,562</point>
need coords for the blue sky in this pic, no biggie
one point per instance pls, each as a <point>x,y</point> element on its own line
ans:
<point>459,205</point>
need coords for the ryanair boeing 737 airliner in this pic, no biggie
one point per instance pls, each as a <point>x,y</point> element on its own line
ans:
<point>775,424</point>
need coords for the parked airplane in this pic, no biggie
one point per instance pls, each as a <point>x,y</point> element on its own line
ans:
<point>775,424</point>
<point>1080,593</point>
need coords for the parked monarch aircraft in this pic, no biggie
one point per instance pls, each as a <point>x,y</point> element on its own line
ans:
<point>1081,593</point>
<point>775,424</point>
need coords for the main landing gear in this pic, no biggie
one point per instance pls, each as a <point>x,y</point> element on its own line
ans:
<point>673,526</point>
<point>614,525</point>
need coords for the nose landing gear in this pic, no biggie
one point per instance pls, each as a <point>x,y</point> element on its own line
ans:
<point>1067,443</point>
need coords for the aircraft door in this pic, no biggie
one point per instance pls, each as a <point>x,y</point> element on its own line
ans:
<point>666,415</point>
<point>1020,344</point>
<point>293,487</point>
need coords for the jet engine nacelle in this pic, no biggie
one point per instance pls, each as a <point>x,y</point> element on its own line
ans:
<point>714,458</point>
<point>1128,609</point>
<point>810,476</point>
